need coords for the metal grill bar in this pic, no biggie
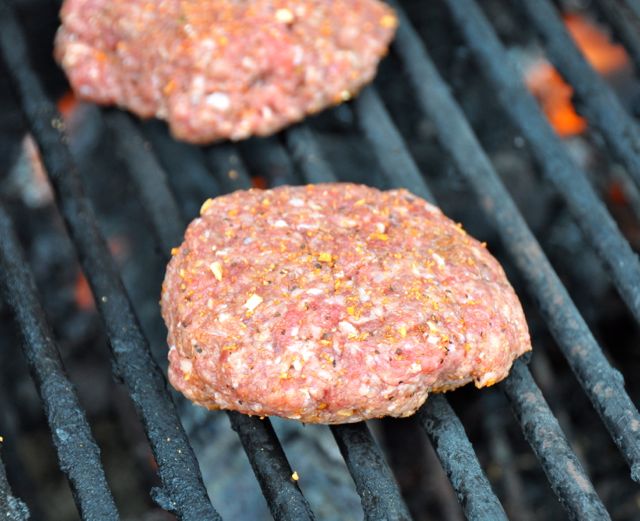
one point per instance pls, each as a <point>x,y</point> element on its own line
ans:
<point>376,485</point>
<point>603,384</point>
<point>228,167</point>
<point>178,468</point>
<point>78,453</point>
<point>273,160</point>
<point>11,508</point>
<point>131,147</point>
<point>625,29</point>
<point>599,103</point>
<point>634,5</point>
<point>459,460</point>
<point>306,154</point>
<point>263,449</point>
<point>271,467</point>
<point>387,144</point>
<point>542,431</point>
<point>188,161</point>
<point>570,181</point>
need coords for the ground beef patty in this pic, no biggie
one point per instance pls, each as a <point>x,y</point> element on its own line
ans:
<point>334,303</point>
<point>222,68</point>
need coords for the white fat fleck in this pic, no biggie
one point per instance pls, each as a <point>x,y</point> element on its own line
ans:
<point>186,366</point>
<point>316,331</point>
<point>495,341</point>
<point>380,227</point>
<point>216,269</point>
<point>219,101</point>
<point>347,328</point>
<point>197,85</point>
<point>296,202</point>
<point>295,330</point>
<point>280,224</point>
<point>324,375</point>
<point>364,389</point>
<point>315,292</point>
<point>297,364</point>
<point>223,253</point>
<point>415,367</point>
<point>379,276</point>
<point>348,223</point>
<point>223,317</point>
<point>439,260</point>
<point>248,63</point>
<point>208,44</point>
<point>284,16</point>
<point>253,302</point>
<point>340,300</point>
<point>307,226</point>
<point>378,311</point>
<point>433,339</point>
<point>298,55</point>
<point>362,293</point>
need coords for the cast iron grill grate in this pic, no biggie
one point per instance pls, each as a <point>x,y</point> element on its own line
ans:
<point>182,491</point>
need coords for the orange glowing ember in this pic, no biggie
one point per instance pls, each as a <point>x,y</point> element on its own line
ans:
<point>554,94</point>
<point>82,294</point>
<point>67,103</point>
<point>259,182</point>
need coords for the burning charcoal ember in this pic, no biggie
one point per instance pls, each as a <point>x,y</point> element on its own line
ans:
<point>225,69</point>
<point>334,303</point>
<point>554,94</point>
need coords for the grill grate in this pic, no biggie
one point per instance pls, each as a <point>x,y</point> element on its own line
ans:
<point>77,450</point>
<point>183,491</point>
<point>599,103</point>
<point>569,180</point>
<point>603,384</point>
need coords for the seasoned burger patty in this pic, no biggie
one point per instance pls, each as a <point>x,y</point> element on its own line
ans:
<point>219,69</point>
<point>334,303</point>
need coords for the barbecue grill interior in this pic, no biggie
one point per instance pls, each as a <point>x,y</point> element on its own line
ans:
<point>144,187</point>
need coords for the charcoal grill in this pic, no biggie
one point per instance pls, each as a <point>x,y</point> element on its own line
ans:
<point>299,152</point>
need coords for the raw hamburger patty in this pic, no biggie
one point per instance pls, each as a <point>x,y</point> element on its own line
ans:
<point>219,69</point>
<point>334,303</point>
